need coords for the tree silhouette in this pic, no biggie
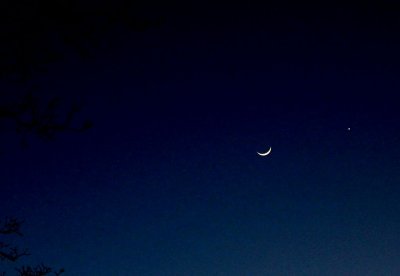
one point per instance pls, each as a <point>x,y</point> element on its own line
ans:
<point>34,116</point>
<point>36,34</point>
<point>9,252</point>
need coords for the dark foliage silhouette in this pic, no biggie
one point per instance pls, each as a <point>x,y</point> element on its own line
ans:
<point>11,253</point>
<point>37,117</point>
<point>35,35</point>
<point>34,116</point>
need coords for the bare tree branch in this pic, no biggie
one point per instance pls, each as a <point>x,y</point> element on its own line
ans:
<point>42,118</point>
<point>12,254</point>
<point>40,270</point>
<point>11,226</point>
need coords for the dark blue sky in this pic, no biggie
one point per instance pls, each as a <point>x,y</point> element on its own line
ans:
<point>168,181</point>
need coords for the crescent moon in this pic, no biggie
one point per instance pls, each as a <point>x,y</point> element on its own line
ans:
<point>265,153</point>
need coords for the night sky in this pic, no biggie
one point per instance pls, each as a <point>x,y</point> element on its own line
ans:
<point>182,97</point>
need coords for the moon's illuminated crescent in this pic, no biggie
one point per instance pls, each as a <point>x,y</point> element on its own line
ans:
<point>265,153</point>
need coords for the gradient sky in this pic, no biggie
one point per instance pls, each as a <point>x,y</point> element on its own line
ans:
<point>168,181</point>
